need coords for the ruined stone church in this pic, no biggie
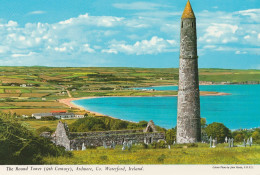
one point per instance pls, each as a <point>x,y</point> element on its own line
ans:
<point>76,141</point>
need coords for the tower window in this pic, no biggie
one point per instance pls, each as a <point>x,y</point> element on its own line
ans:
<point>182,24</point>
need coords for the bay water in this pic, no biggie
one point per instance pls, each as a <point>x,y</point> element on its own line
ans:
<point>239,110</point>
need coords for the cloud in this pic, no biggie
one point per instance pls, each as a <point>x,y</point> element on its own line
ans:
<point>238,52</point>
<point>23,55</point>
<point>153,46</point>
<point>220,33</point>
<point>102,21</point>
<point>253,14</point>
<point>139,6</point>
<point>38,12</point>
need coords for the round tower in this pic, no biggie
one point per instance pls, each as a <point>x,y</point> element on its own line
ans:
<point>188,116</point>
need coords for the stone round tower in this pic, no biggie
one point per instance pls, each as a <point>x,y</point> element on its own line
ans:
<point>188,116</point>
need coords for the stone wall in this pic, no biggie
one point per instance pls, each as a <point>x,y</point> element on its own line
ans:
<point>74,141</point>
<point>102,133</point>
<point>138,137</point>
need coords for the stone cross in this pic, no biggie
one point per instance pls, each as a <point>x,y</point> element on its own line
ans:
<point>83,146</point>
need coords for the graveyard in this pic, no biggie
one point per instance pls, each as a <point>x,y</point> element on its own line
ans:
<point>200,153</point>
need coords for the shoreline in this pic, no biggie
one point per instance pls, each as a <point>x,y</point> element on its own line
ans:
<point>69,101</point>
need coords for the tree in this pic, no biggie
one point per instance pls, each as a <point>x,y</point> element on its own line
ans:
<point>170,135</point>
<point>203,122</point>
<point>218,130</point>
<point>88,124</point>
<point>256,137</point>
<point>239,137</point>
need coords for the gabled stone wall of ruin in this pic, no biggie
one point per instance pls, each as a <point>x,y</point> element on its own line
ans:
<point>60,136</point>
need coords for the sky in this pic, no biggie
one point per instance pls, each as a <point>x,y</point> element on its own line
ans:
<point>127,33</point>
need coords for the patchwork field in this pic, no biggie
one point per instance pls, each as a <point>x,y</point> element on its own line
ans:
<point>38,88</point>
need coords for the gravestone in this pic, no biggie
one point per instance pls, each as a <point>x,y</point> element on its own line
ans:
<point>232,142</point>
<point>214,143</point>
<point>124,145</point>
<point>244,143</point>
<point>113,145</point>
<point>226,139</point>
<point>251,140</point>
<point>229,142</point>
<point>104,145</point>
<point>83,146</point>
<point>129,145</point>
<point>247,142</point>
<point>169,146</point>
<point>210,142</point>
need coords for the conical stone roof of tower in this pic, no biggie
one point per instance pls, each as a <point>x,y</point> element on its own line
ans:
<point>188,12</point>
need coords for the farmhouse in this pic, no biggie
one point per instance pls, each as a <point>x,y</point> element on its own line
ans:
<point>40,115</point>
<point>56,114</point>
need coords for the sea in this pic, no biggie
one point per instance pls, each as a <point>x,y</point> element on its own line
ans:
<point>239,110</point>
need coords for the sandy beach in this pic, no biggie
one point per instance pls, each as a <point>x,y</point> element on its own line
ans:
<point>69,103</point>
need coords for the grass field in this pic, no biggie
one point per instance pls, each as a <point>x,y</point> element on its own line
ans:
<point>137,155</point>
<point>35,124</point>
<point>29,112</point>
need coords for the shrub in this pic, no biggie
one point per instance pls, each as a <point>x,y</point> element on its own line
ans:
<point>103,157</point>
<point>18,145</point>
<point>48,118</point>
<point>190,145</point>
<point>43,129</point>
<point>145,146</point>
<point>161,158</point>
<point>160,144</point>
